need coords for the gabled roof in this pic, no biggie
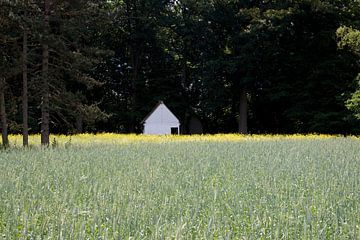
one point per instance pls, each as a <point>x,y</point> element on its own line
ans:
<point>154,109</point>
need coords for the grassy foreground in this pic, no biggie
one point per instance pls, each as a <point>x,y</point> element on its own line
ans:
<point>210,187</point>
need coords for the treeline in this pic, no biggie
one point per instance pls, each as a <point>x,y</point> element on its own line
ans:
<point>236,66</point>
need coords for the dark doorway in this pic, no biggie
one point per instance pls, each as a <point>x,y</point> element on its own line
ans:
<point>175,130</point>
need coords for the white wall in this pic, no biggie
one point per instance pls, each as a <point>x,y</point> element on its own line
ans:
<point>152,128</point>
<point>161,121</point>
<point>162,115</point>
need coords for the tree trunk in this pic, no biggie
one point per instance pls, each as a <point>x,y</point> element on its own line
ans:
<point>45,115</point>
<point>185,125</point>
<point>243,128</point>
<point>135,52</point>
<point>4,127</point>
<point>25,91</point>
<point>79,123</point>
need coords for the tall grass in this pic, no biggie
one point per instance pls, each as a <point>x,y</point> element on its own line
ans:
<point>300,188</point>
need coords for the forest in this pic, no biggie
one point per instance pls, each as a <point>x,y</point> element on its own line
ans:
<point>246,66</point>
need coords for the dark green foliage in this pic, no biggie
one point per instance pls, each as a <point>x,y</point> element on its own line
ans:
<point>112,61</point>
<point>350,39</point>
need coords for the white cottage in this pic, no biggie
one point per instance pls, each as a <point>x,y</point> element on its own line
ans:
<point>161,121</point>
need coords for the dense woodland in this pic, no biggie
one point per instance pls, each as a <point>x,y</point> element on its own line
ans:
<point>248,66</point>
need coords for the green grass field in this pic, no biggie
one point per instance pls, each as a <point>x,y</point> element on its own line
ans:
<point>263,189</point>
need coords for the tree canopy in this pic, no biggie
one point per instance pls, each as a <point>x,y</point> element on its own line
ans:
<point>350,39</point>
<point>236,66</point>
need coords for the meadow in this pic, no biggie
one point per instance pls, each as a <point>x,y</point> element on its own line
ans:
<point>181,187</point>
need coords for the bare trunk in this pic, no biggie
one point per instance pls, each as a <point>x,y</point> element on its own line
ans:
<point>185,126</point>
<point>25,92</point>
<point>45,115</point>
<point>131,102</point>
<point>4,127</point>
<point>135,53</point>
<point>243,128</point>
<point>79,123</point>
<point>134,92</point>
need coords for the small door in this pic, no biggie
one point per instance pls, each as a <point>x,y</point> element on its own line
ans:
<point>175,130</point>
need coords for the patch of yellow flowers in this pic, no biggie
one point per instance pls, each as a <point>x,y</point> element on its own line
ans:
<point>112,138</point>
